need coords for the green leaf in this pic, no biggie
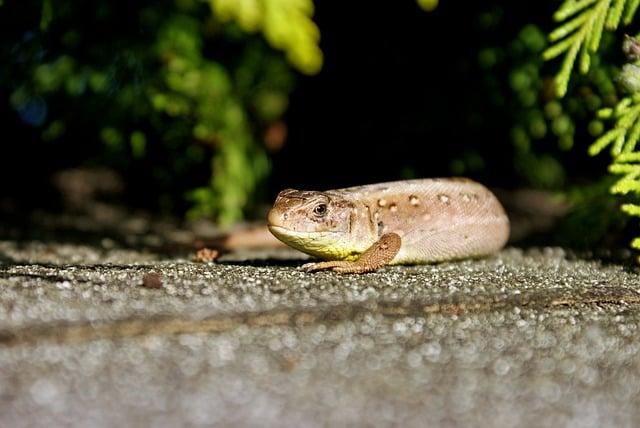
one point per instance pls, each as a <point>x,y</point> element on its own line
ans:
<point>615,14</point>
<point>579,36</point>
<point>630,11</point>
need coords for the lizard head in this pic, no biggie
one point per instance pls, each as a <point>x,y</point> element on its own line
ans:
<point>317,223</point>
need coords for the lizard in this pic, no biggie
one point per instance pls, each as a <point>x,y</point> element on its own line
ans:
<point>360,229</point>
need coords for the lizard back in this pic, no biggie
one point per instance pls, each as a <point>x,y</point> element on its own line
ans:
<point>438,219</point>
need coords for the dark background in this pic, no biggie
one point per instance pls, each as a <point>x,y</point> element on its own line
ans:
<point>401,95</point>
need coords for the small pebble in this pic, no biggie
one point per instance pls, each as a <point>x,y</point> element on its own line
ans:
<point>152,280</point>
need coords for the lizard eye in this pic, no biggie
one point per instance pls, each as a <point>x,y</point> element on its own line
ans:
<point>320,210</point>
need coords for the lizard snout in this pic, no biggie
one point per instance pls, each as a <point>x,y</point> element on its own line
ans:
<point>276,217</point>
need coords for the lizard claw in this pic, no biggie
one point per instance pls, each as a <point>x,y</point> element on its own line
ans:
<point>309,267</point>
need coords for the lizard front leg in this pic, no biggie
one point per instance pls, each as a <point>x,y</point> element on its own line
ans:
<point>376,256</point>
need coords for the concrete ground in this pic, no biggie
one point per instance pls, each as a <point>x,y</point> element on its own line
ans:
<point>535,337</point>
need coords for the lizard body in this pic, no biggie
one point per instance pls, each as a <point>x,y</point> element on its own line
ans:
<point>359,229</point>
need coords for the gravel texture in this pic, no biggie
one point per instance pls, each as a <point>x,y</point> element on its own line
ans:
<point>533,337</point>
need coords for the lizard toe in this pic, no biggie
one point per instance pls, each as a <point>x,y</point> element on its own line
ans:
<point>348,269</point>
<point>308,267</point>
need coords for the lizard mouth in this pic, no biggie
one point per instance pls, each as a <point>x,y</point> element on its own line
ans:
<point>326,245</point>
<point>279,231</point>
<point>275,219</point>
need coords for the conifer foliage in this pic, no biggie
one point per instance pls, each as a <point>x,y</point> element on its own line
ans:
<point>578,36</point>
<point>580,31</point>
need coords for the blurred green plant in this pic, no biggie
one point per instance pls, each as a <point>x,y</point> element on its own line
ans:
<point>286,24</point>
<point>428,5</point>
<point>179,82</point>
<point>543,127</point>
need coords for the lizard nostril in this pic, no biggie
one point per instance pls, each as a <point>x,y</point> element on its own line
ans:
<point>285,216</point>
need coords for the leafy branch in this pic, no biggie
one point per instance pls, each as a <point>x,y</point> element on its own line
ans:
<point>624,136</point>
<point>623,139</point>
<point>628,164</point>
<point>579,34</point>
<point>578,39</point>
